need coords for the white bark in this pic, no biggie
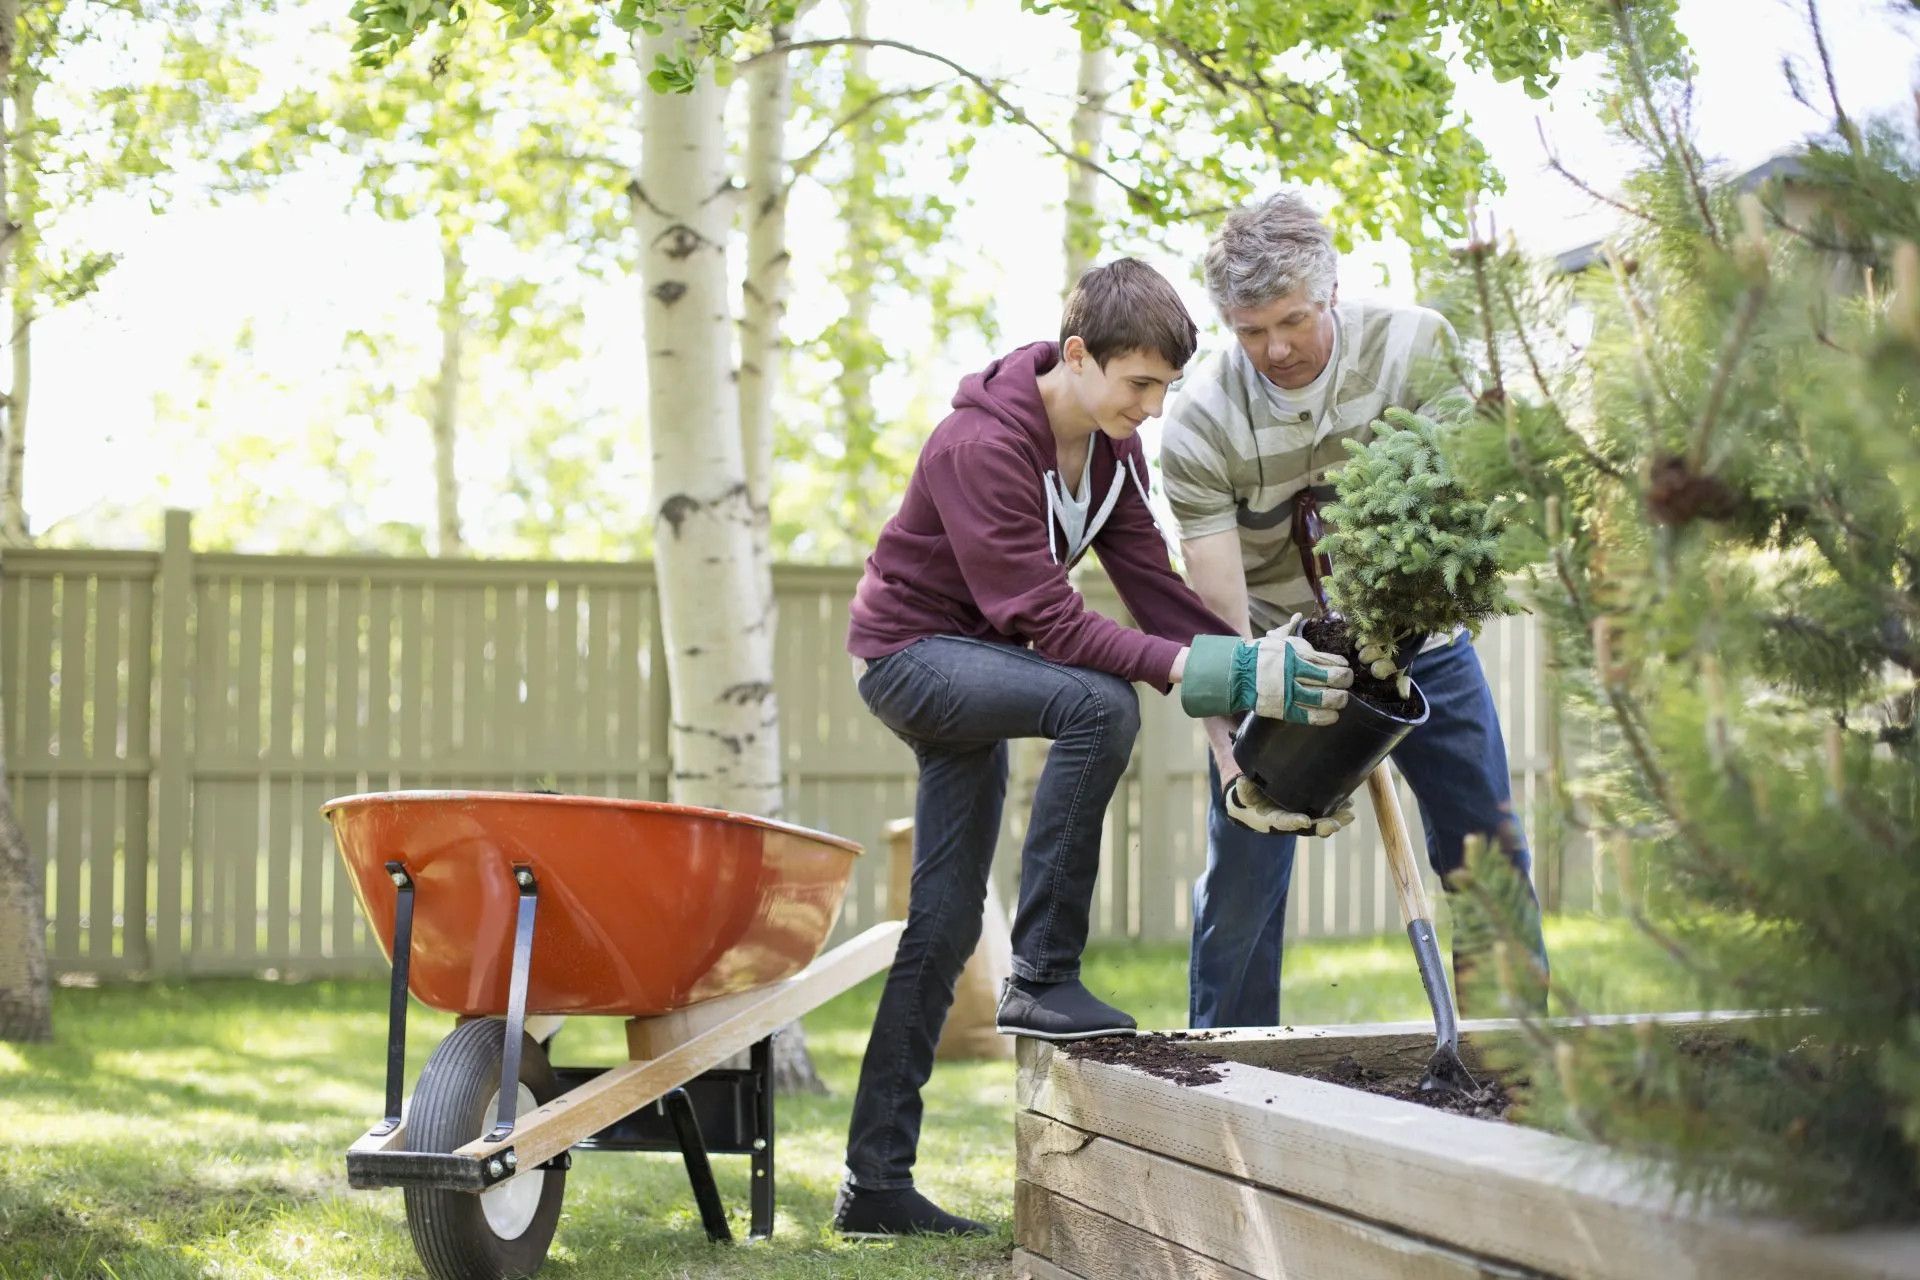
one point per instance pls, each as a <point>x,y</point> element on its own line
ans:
<point>716,587</point>
<point>763,295</point>
<point>446,400</point>
<point>1081,238</point>
<point>25,998</point>
<point>864,250</point>
<point>21,159</point>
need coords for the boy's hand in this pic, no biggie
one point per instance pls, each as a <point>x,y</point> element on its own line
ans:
<point>1298,682</point>
<point>1247,806</point>
<point>1279,676</point>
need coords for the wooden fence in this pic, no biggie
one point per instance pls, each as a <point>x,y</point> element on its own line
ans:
<point>175,720</point>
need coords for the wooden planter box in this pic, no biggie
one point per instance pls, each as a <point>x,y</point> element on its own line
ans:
<point>1262,1174</point>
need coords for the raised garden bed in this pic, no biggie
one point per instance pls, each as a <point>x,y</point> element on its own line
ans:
<point>1187,1169</point>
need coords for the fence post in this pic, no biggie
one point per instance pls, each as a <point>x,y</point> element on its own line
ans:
<point>659,708</point>
<point>172,767</point>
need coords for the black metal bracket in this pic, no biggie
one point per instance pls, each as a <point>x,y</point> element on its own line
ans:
<point>686,1127</point>
<point>761,1062</point>
<point>397,997</point>
<point>516,1003</point>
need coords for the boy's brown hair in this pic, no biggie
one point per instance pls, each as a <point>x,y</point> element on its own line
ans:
<point>1125,305</point>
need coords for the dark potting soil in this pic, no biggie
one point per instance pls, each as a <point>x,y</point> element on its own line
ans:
<point>1329,634</point>
<point>1159,1055</point>
<point>1492,1104</point>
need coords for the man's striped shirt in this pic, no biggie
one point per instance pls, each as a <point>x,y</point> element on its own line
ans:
<point>1230,462</point>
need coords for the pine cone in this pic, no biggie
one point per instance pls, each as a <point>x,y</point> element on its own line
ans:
<point>1677,495</point>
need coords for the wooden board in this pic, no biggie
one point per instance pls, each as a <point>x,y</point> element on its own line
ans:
<point>548,1130</point>
<point>1249,1229</point>
<point>1406,1046</point>
<point>1500,1191</point>
<point>1031,1266</point>
<point>1093,1244</point>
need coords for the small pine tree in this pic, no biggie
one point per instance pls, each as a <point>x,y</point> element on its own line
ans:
<point>1413,551</point>
<point>1724,483</point>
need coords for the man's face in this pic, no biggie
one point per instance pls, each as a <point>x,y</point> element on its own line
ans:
<point>1131,389</point>
<point>1289,339</point>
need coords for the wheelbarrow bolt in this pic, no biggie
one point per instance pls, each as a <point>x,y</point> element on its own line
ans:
<point>759,1144</point>
<point>512,1160</point>
<point>523,877</point>
<point>400,879</point>
<point>495,1168</point>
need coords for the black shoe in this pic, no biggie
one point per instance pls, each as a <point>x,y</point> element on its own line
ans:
<point>1058,1011</point>
<point>869,1215</point>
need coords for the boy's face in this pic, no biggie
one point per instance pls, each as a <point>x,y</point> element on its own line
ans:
<point>1131,389</point>
<point>1289,339</point>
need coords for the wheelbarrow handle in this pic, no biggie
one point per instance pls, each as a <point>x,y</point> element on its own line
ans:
<point>1393,832</point>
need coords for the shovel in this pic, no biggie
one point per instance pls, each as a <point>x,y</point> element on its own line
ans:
<point>1444,1069</point>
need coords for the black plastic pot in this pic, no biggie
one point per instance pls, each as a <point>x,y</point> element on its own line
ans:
<point>1312,769</point>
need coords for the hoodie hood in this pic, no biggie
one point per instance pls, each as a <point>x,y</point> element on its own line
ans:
<point>1009,389</point>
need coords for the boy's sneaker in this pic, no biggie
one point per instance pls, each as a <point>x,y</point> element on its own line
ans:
<point>871,1215</point>
<point>1057,1011</point>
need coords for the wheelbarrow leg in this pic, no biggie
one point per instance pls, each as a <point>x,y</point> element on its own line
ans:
<point>762,1063</point>
<point>397,996</point>
<point>693,1148</point>
<point>516,1003</point>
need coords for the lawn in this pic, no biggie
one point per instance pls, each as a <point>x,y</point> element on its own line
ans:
<point>197,1128</point>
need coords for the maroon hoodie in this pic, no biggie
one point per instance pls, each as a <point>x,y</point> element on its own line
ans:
<point>974,550</point>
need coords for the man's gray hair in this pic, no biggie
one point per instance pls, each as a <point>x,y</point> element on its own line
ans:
<point>1268,249</point>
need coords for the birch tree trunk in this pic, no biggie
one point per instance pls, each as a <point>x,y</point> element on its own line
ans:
<point>763,295</point>
<point>1081,238</point>
<point>864,250</point>
<point>20,190</point>
<point>763,306</point>
<point>446,398</point>
<point>716,587</point>
<point>25,1000</point>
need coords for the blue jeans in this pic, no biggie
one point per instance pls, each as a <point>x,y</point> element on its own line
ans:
<point>956,702</point>
<point>1456,764</point>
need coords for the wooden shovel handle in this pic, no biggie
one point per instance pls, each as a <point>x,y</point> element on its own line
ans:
<point>1393,830</point>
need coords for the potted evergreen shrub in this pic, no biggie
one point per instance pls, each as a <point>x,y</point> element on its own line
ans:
<point>1413,554</point>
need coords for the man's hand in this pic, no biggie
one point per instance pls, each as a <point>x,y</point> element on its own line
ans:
<point>1379,660</point>
<point>1252,810</point>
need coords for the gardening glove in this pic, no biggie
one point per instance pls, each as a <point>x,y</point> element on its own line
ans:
<point>1379,659</point>
<point>1246,805</point>
<point>1279,676</point>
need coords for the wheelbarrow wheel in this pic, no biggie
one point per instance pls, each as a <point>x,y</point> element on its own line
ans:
<point>503,1232</point>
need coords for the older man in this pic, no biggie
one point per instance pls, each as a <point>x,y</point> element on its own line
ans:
<point>1255,427</point>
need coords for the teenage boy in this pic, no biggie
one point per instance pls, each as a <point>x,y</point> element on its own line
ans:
<point>966,633</point>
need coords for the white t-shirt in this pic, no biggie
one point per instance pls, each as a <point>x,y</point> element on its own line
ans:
<point>1070,506</point>
<point>1309,402</point>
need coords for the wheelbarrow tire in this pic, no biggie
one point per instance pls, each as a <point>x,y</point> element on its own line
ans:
<point>453,1104</point>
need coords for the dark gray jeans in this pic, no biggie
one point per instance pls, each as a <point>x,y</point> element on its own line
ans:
<point>956,702</point>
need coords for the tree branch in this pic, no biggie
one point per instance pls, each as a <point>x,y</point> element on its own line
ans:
<point>986,86</point>
<point>804,161</point>
<point>1554,163</point>
<point>1841,121</point>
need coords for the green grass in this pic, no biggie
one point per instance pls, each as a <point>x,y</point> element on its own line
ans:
<point>195,1129</point>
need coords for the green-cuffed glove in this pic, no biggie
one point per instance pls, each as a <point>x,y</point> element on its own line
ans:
<point>1280,676</point>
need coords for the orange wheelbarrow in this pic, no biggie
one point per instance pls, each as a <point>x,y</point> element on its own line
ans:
<point>702,928</point>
